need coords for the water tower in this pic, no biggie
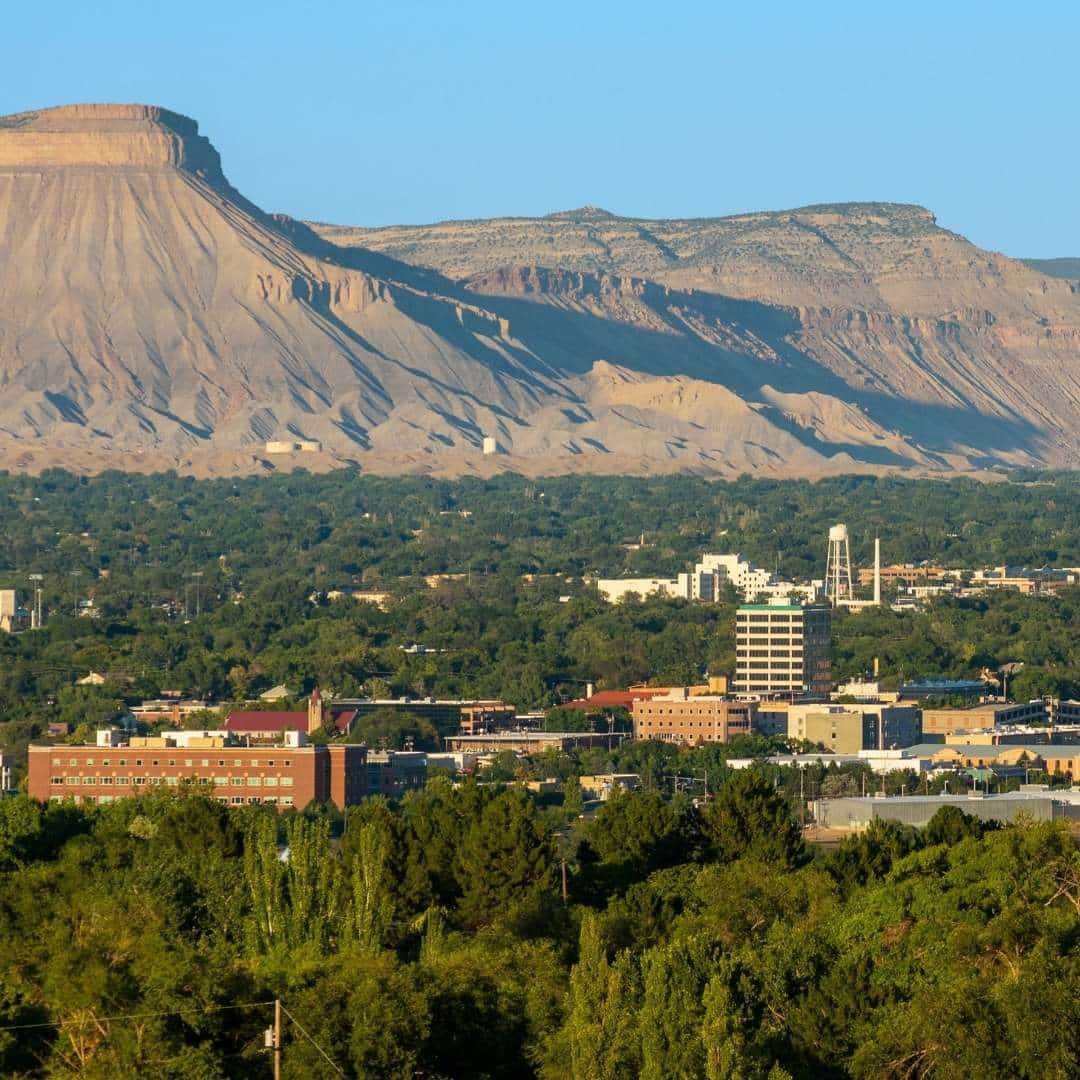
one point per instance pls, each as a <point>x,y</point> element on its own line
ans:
<point>838,566</point>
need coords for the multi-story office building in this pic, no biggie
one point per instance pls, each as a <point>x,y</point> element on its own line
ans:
<point>691,719</point>
<point>288,775</point>
<point>783,649</point>
<point>847,729</point>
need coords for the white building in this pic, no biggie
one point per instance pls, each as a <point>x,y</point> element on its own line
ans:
<point>614,589</point>
<point>707,581</point>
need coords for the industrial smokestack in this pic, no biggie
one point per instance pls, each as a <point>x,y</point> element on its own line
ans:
<point>877,570</point>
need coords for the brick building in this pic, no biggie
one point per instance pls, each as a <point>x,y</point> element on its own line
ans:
<point>688,719</point>
<point>288,774</point>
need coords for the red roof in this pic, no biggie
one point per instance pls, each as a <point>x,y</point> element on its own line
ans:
<point>266,720</point>
<point>343,721</point>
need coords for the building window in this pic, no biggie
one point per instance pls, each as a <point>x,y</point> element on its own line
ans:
<point>254,781</point>
<point>285,800</point>
<point>107,781</point>
<point>187,763</point>
<point>286,781</point>
<point>73,762</point>
<point>270,781</point>
<point>56,780</point>
<point>138,761</point>
<point>237,781</point>
<point>138,781</point>
<point>172,762</point>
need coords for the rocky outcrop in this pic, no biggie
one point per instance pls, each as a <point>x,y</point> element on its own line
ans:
<point>151,317</point>
<point>106,136</point>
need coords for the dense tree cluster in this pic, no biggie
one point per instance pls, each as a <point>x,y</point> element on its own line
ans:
<point>431,938</point>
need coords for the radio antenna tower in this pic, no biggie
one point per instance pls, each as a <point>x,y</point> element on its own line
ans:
<point>838,566</point>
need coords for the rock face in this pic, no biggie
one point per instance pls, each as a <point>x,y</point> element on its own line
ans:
<point>152,317</point>
<point>113,136</point>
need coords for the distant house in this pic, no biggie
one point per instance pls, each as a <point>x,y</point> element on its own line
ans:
<point>276,693</point>
<point>94,678</point>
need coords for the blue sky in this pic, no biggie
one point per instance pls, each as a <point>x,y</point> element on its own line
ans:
<point>375,113</point>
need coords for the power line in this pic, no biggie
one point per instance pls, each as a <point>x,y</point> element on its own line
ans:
<point>329,1059</point>
<point>148,1015</point>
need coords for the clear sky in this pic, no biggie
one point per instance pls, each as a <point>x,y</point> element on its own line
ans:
<point>373,112</point>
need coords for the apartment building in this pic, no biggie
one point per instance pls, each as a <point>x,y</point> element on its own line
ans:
<point>692,719</point>
<point>288,775</point>
<point>783,649</point>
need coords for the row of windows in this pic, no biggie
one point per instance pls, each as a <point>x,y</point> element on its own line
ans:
<point>188,763</point>
<point>235,800</point>
<point>775,665</point>
<point>173,781</point>
<point>733,722</point>
<point>650,710</point>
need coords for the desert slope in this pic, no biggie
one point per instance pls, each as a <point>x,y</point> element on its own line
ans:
<point>151,317</point>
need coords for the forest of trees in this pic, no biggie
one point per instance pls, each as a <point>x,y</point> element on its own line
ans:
<point>473,930</point>
<point>431,939</point>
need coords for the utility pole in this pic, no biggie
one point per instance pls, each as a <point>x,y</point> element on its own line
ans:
<point>277,1038</point>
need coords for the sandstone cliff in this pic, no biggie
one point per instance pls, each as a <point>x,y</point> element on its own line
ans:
<point>152,317</point>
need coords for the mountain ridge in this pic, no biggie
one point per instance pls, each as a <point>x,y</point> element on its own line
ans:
<point>152,316</point>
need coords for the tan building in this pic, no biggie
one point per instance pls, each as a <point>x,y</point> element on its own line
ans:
<point>603,785</point>
<point>847,729</point>
<point>903,574</point>
<point>483,716</point>
<point>287,775</point>
<point>532,742</point>
<point>783,649</point>
<point>692,719</point>
<point>980,717</point>
<point>12,615</point>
